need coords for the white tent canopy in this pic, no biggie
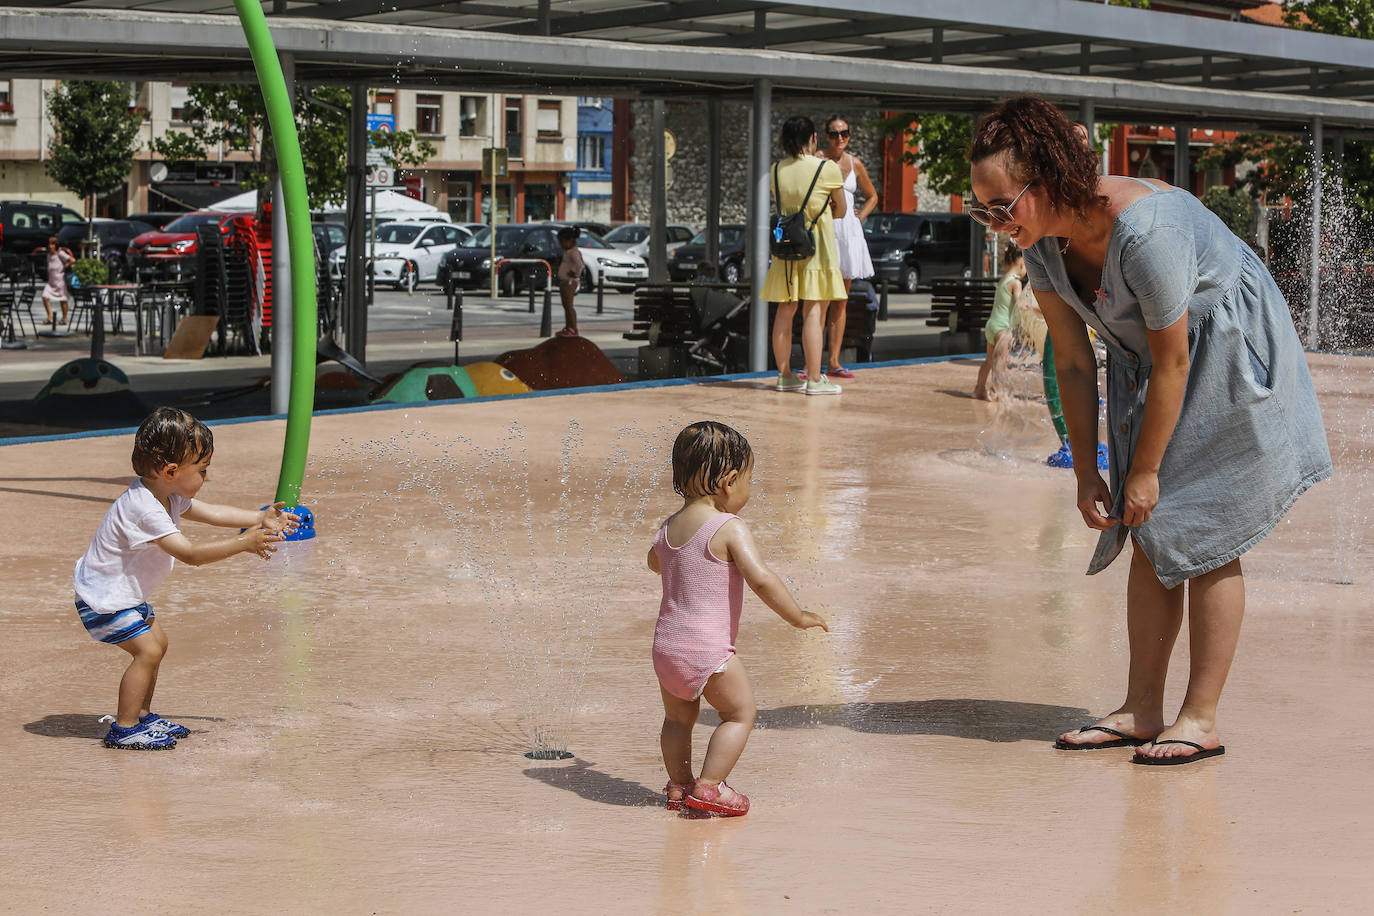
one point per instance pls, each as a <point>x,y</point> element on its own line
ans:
<point>390,205</point>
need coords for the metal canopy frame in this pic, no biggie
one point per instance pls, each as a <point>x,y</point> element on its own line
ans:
<point>957,55</point>
<point>1117,64</point>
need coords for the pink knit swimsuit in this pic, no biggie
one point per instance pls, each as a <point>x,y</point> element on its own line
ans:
<point>698,618</point>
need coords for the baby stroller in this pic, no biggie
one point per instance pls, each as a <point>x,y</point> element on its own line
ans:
<point>721,330</point>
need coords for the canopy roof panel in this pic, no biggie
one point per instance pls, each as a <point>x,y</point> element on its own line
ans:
<point>1133,64</point>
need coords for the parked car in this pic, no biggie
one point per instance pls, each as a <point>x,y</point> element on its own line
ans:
<point>634,238</point>
<point>25,227</point>
<point>328,235</point>
<point>177,239</point>
<point>157,218</point>
<point>620,269</point>
<point>408,252</point>
<point>685,262</point>
<point>113,235</point>
<point>469,267</point>
<point>908,249</point>
<point>588,225</point>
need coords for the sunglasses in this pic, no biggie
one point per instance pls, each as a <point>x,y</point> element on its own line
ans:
<point>997,215</point>
<point>837,134</point>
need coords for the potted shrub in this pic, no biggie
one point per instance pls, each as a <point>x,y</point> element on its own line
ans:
<point>88,272</point>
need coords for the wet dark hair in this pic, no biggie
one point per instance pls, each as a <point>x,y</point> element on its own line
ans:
<point>170,436</point>
<point>833,118</point>
<point>568,232</point>
<point>796,132</point>
<point>1043,148</point>
<point>704,454</point>
<point>1012,254</point>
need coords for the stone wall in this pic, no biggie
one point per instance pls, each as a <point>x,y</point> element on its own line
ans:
<point>687,169</point>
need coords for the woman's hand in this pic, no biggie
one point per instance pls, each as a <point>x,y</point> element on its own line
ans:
<point>1092,492</point>
<point>1141,491</point>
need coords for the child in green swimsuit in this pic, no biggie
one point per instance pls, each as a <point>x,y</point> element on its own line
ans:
<point>1003,315</point>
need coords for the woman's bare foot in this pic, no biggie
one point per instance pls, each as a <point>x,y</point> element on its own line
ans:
<point>980,394</point>
<point>1128,724</point>
<point>1190,730</point>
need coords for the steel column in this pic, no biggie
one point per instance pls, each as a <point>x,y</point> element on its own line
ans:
<point>1314,280</point>
<point>281,270</point>
<point>658,199</point>
<point>1182,172</point>
<point>760,152</point>
<point>355,222</point>
<point>714,139</point>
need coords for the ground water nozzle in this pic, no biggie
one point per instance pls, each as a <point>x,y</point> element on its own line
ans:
<point>305,528</point>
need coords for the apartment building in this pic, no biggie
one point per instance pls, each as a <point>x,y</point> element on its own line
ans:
<point>538,132</point>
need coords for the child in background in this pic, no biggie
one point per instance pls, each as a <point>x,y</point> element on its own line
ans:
<point>569,277</point>
<point>135,547</point>
<point>1002,319</point>
<point>698,619</point>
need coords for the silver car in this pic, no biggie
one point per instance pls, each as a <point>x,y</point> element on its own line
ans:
<point>634,238</point>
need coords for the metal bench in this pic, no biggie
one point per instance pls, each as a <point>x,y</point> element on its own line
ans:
<point>675,319</point>
<point>961,304</point>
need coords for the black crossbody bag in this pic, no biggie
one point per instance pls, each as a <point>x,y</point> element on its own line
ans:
<point>792,238</point>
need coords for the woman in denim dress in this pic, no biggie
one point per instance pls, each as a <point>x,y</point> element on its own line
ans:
<point>1213,422</point>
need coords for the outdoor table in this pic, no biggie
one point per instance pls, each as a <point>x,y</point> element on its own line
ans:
<point>102,292</point>
<point>159,299</point>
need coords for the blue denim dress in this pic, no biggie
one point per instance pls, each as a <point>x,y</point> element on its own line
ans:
<point>1249,439</point>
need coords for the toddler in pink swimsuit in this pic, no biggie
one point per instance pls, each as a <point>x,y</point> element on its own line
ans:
<point>705,555</point>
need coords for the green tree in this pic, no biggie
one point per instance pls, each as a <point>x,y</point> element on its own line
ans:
<point>938,145</point>
<point>1234,208</point>
<point>1352,18</point>
<point>93,148</point>
<point>1283,162</point>
<point>234,116</point>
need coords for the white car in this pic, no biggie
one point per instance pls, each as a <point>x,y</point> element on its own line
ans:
<point>407,251</point>
<point>621,269</point>
<point>634,238</point>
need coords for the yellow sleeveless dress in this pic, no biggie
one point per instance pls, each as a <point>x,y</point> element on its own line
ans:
<point>819,277</point>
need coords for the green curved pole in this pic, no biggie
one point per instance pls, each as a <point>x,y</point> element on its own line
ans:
<point>282,119</point>
<point>1051,383</point>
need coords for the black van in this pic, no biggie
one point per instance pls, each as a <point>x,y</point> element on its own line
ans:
<point>26,225</point>
<point>908,249</point>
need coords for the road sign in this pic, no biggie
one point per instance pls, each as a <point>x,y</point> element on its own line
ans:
<point>380,176</point>
<point>384,122</point>
<point>376,157</point>
<point>495,163</point>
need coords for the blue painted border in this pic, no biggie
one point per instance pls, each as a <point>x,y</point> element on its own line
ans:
<point>556,392</point>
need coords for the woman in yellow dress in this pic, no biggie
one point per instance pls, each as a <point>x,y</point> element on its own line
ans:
<point>813,282</point>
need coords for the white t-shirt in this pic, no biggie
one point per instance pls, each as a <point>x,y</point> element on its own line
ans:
<point>123,565</point>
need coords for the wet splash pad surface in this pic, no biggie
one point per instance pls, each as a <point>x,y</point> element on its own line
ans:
<point>359,719</point>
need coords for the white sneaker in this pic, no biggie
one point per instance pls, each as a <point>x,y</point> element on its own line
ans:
<point>822,386</point>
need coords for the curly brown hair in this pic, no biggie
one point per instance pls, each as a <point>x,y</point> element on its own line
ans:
<point>1044,148</point>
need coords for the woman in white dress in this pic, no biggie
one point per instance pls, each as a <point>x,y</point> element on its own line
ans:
<point>849,234</point>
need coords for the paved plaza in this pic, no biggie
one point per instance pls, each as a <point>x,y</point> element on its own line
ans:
<point>359,717</point>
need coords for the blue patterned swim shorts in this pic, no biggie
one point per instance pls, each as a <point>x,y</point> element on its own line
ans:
<point>120,626</point>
